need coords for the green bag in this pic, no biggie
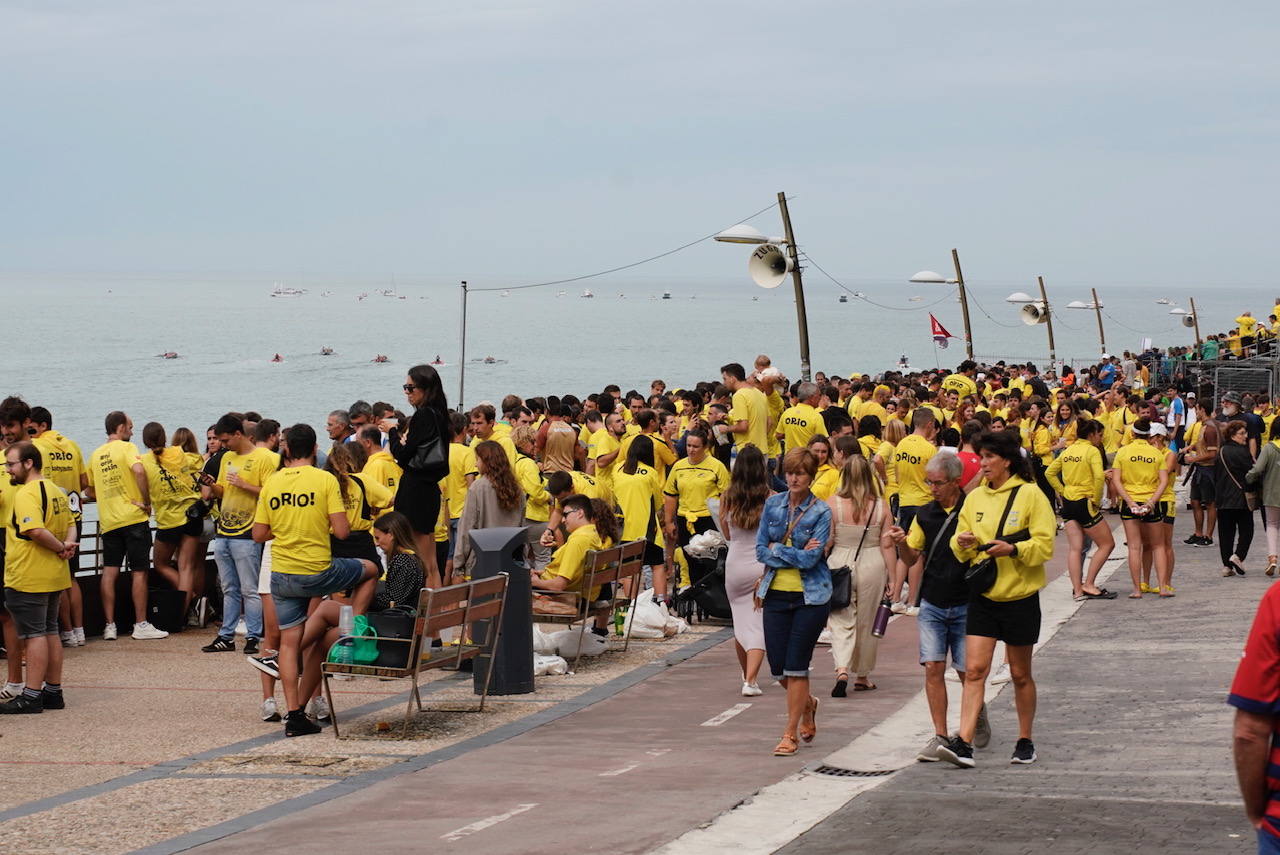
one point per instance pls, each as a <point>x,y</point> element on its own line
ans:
<point>364,643</point>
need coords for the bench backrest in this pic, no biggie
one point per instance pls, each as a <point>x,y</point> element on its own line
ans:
<point>614,564</point>
<point>455,605</point>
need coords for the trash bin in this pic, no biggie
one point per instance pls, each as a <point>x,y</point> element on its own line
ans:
<point>500,550</point>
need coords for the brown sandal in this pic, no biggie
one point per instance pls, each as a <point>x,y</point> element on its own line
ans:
<point>810,713</point>
<point>786,746</point>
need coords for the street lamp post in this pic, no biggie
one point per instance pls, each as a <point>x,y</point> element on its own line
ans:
<point>770,263</point>
<point>1097,310</point>
<point>1037,312</point>
<point>938,279</point>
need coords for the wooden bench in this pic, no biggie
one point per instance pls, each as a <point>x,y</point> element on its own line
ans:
<point>438,609</point>
<point>620,566</point>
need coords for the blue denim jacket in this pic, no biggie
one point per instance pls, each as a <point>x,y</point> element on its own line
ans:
<point>814,523</point>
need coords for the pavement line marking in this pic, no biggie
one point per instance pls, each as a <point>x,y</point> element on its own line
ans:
<point>716,721</point>
<point>481,825</point>
<point>658,752</point>
<point>613,773</point>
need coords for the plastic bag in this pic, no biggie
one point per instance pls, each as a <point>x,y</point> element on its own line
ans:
<point>548,665</point>
<point>542,642</point>
<point>566,642</point>
<point>650,620</point>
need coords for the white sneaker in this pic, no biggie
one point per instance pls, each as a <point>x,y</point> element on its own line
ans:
<point>11,691</point>
<point>270,712</point>
<point>68,639</point>
<point>751,690</point>
<point>318,708</point>
<point>109,632</point>
<point>144,631</point>
<point>77,635</point>
<point>898,608</point>
<point>911,611</point>
<point>824,637</point>
<point>1000,675</point>
<point>241,628</point>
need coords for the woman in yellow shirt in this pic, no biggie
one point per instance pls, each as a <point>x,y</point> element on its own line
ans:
<point>1077,474</point>
<point>1139,477</point>
<point>171,477</point>
<point>1160,440</point>
<point>1064,426</point>
<point>827,480</point>
<point>637,488</point>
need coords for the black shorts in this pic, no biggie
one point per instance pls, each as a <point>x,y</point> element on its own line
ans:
<point>358,544</point>
<point>1159,510</point>
<point>653,555</point>
<point>1082,511</point>
<point>131,541</point>
<point>1016,624</point>
<point>173,536</point>
<point>906,514</point>
<point>1203,489</point>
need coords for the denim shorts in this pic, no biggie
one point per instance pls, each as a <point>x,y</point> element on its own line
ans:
<point>292,592</point>
<point>942,630</point>
<point>791,630</point>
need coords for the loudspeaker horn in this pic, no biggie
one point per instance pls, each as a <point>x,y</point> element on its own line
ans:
<point>769,265</point>
<point>1188,320</point>
<point>1034,313</point>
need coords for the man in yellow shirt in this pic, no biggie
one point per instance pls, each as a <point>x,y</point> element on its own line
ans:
<point>297,509</point>
<point>64,466</point>
<point>749,414</point>
<point>537,507</point>
<point>482,428</point>
<point>962,382</point>
<point>379,465</point>
<point>454,486</point>
<point>38,544</point>
<point>910,459</point>
<point>803,422</point>
<point>565,571</point>
<point>605,450</point>
<point>118,483</point>
<point>859,400</point>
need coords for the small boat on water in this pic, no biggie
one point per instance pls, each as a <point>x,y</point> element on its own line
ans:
<point>326,351</point>
<point>561,293</point>
<point>282,291</point>
<point>382,357</point>
<point>904,365</point>
<point>915,299</point>
<point>168,354</point>
<point>586,292</point>
<point>506,293</point>
<point>755,299</point>
<point>666,295</point>
<point>277,358</point>
<point>1163,301</point>
<point>844,298</point>
<point>489,360</point>
<point>438,361</point>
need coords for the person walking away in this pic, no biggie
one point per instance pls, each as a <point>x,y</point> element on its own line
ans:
<point>910,458</point>
<point>418,496</point>
<point>118,483</point>
<point>741,507</point>
<point>795,590</point>
<point>944,600</point>
<point>1235,519</point>
<point>861,520</point>
<point>38,544</point>
<point>494,500</point>
<point>1265,473</point>
<point>1021,542</point>
<point>1077,475</point>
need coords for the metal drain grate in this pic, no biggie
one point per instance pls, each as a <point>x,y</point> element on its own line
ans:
<point>837,772</point>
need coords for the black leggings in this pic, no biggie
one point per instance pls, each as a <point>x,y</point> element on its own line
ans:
<point>1233,522</point>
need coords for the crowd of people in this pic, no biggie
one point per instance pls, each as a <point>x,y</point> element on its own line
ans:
<point>934,495</point>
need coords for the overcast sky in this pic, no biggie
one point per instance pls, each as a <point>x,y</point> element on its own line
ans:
<point>1104,142</point>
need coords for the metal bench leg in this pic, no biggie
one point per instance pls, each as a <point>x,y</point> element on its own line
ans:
<point>333,711</point>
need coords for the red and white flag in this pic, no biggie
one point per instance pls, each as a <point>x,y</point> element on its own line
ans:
<point>938,331</point>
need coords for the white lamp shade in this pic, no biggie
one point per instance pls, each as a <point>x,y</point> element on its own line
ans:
<point>1019,297</point>
<point>929,276</point>
<point>741,233</point>
<point>1078,304</point>
<point>1177,311</point>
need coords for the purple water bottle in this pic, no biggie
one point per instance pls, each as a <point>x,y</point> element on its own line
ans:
<point>881,622</point>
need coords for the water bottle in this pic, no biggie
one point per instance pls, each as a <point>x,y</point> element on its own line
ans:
<point>343,652</point>
<point>881,622</point>
<point>619,620</point>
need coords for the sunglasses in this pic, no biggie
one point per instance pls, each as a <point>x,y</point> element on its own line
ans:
<point>409,387</point>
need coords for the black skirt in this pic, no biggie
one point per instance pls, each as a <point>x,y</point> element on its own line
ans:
<point>419,500</point>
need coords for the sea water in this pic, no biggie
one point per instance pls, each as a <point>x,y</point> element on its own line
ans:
<point>85,345</point>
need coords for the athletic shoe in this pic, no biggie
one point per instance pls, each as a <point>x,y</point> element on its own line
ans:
<point>1238,564</point>
<point>1193,540</point>
<point>1000,675</point>
<point>1228,572</point>
<point>1206,541</point>
<point>957,752</point>
<point>824,637</point>
<point>109,632</point>
<point>270,712</point>
<point>982,736</point>
<point>911,611</point>
<point>297,724</point>
<point>53,700</point>
<point>9,692</point>
<point>1024,753</point>
<point>929,754</point>
<point>266,664</point>
<point>22,705</point>
<point>77,635</point>
<point>751,690</point>
<point>898,608</point>
<point>144,631</point>
<point>68,639</point>
<point>318,708</point>
<point>251,646</point>
<point>220,645</point>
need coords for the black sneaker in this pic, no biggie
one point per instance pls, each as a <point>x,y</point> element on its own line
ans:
<point>266,664</point>
<point>251,647</point>
<point>220,645</point>
<point>297,724</point>
<point>53,700</point>
<point>21,705</point>
<point>958,752</point>
<point>1206,541</point>
<point>1024,753</point>
<point>1193,540</point>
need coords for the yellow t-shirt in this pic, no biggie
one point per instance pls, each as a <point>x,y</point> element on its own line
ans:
<point>115,488</point>
<point>776,407</point>
<point>1246,324</point>
<point>570,560</point>
<point>1077,472</point>
<point>63,465</point>
<point>854,407</point>
<point>799,424</point>
<point>885,452</point>
<point>29,566</point>
<point>638,496</point>
<point>693,483</point>
<point>826,482</point>
<point>537,506</point>
<point>909,460</point>
<point>603,444</point>
<point>873,408</point>
<point>373,494</point>
<point>961,384</point>
<point>750,403</point>
<point>1139,464</point>
<point>462,462</point>
<point>296,503</point>
<point>236,510</point>
<point>382,467</point>
<point>172,481</point>
<point>870,446</point>
<point>587,486</point>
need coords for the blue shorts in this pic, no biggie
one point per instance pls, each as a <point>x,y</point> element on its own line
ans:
<point>292,592</point>
<point>942,630</point>
<point>791,630</point>
<point>906,514</point>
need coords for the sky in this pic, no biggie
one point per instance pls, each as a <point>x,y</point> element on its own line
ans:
<point>509,142</point>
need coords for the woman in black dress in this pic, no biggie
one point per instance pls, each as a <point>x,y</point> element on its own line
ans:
<point>418,494</point>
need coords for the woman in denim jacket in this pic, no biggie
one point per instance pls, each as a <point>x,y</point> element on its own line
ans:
<point>795,589</point>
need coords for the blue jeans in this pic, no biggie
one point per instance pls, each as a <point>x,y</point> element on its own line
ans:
<point>791,630</point>
<point>239,560</point>
<point>942,630</point>
<point>293,592</point>
<point>1268,843</point>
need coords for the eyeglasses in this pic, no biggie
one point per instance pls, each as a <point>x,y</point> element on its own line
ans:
<point>936,483</point>
<point>409,387</point>
<point>10,465</point>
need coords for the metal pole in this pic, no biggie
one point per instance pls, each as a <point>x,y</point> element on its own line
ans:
<point>462,362</point>
<point>1097,310</point>
<point>802,318</point>
<point>1044,297</point>
<point>964,305</point>
<point>1195,320</point>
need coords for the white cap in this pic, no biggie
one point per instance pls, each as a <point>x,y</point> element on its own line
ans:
<point>1157,429</point>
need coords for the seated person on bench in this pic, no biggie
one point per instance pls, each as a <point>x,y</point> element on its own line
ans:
<point>561,582</point>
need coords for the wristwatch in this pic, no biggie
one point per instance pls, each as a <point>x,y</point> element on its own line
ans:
<point>1014,553</point>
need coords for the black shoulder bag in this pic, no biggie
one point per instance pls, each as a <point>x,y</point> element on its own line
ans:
<point>431,457</point>
<point>982,576</point>
<point>842,577</point>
